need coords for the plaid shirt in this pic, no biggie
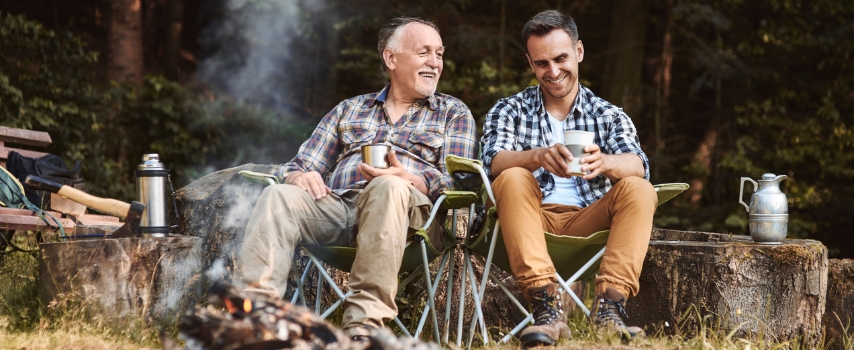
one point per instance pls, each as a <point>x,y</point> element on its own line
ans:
<point>520,123</point>
<point>431,129</point>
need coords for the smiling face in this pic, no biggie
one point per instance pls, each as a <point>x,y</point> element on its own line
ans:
<point>417,64</point>
<point>554,58</point>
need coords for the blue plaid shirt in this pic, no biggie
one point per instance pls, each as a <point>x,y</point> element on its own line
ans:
<point>429,130</point>
<point>520,123</point>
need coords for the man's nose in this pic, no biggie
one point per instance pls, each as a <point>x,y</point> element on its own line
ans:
<point>434,61</point>
<point>554,71</point>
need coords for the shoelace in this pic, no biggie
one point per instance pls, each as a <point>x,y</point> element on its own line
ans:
<point>607,312</point>
<point>545,303</point>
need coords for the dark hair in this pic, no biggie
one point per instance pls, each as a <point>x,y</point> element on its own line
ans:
<point>391,31</point>
<point>546,21</point>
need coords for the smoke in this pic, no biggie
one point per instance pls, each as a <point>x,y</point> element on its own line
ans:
<point>249,47</point>
<point>259,59</point>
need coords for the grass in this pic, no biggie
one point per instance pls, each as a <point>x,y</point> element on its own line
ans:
<point>25,323</point>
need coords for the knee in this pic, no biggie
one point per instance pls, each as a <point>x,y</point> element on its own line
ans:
<point>388,184</point>
<point>637,188</point>
<point>514,177</point>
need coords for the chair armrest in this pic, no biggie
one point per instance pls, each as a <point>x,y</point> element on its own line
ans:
<point>259,178</point>
<point>666,192</point>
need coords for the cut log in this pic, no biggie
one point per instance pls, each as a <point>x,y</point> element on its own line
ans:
<point>216,208</point>
<point>729,282</point>
<point>839,316</point>
<point>122,280</point>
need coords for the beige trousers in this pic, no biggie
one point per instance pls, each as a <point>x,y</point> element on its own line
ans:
<point>627,210</point>
<point>377,220</point>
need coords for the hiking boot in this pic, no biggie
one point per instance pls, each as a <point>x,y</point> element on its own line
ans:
<point>549,320</point>
<point>609,309</point>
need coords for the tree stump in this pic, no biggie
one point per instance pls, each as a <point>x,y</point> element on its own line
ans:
<point>839,316</point>
<point>216,208</point>
<point>728,281</point>
<point>122,280</point>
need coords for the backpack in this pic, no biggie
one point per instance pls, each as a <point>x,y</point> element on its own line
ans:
<point>12,196</point>
<point>49,167</point>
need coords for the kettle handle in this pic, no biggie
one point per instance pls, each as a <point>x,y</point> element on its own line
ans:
<point>741,192</point>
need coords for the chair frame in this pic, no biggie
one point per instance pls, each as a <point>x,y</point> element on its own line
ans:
<point>448,200</point>
<point>478,290</point>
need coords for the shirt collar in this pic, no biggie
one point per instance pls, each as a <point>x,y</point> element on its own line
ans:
<point>539,102</point>
<point>432,101</point>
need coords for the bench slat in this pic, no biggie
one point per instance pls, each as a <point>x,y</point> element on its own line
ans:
<point>25,137</point>
<point>4,153</point>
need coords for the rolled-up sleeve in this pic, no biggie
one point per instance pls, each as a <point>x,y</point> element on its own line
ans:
<point>498,133</point>
<point>461,140</point>
<point>623,138</point>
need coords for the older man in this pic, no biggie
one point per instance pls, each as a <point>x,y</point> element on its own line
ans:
<point>330,197</point>
<point>523,151</point>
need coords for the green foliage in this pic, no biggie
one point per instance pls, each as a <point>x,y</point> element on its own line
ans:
<point>47,84</point>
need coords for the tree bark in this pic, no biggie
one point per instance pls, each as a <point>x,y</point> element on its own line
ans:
<point>125,63</point>
<point>121,280</point>
<point>662,84</point>
<point>625,54</point>
<point>838,318</point>
<point>728,282</point>
<point>172,41</point>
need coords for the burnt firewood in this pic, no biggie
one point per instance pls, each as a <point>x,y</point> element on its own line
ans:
<point>236,320</point>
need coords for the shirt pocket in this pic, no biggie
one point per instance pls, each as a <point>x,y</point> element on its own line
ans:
<point>427,146</point>
<point>355,135</point>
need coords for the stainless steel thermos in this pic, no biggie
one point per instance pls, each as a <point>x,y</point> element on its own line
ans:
<point>151,178</point>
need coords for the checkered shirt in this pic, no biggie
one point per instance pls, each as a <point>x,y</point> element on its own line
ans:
<point>431,129</point>
<point>520,123</point>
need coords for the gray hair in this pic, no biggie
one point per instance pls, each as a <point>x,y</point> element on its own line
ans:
<point>389,36</point>
<point>546,21</point>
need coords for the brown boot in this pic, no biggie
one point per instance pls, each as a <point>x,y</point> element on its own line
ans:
<point>609,309</point>
<point>549,320</point>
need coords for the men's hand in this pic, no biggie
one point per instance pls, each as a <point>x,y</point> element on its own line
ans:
<point>394,168</point>
<point>594,163</point>
<point>555,159</point>
<point>311,182</point>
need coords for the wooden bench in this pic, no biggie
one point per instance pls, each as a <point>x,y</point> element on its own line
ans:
<point>12,219</point>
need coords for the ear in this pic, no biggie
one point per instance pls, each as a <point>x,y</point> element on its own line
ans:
<point>579,50</point>
<point>530,62</point>
<point>389,59</point>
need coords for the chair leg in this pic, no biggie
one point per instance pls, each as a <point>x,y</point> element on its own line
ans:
<point>478,297</point>
<point>462,304</point>
<point>565,284</point>
<point>299,294</point>
<point>448,296</point>
<point>430,289</point>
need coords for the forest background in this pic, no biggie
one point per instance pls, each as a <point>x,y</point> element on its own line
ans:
<point>718,89</point>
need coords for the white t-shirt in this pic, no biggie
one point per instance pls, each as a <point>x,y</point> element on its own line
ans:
<point>566,190</point>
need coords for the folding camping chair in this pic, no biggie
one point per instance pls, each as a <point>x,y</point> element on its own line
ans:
<point>419,252</point>
<point>577,257</point>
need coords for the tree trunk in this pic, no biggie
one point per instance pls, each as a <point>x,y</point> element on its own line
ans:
<point>172,43</point>
<point>625,54</point>
<point>662,84</point>
<point>216,208</point>
<point>729,282</point>
<point>122,280</point>
<point>125,42</point>
<point>839,316</point>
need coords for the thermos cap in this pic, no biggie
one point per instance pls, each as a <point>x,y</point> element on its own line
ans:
<point>150,161</point>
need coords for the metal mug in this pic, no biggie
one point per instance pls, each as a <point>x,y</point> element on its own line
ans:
<point>375,155</point>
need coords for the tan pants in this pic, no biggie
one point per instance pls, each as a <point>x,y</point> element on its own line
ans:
<point>627,210</point>
<point>378,220</point>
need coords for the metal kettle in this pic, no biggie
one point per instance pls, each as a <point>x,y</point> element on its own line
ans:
<point>768,212</point>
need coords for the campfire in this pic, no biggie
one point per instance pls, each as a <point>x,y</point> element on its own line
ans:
<point>236,321</point>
